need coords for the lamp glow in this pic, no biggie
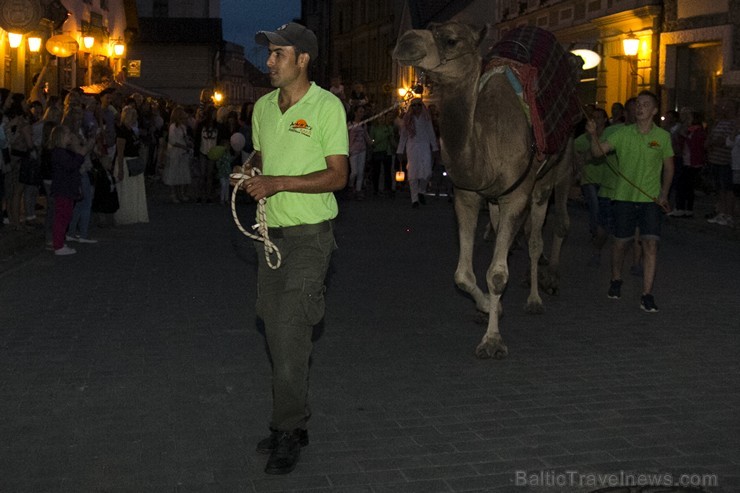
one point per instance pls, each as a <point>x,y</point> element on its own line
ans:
<point>402,91</point>
<point>34,44</point>
<point>591,59</point>
<point>217,97</point>
<point>88,42</point>
<point>631,45</point>
<point>119,48</point>
<point>15,39</point>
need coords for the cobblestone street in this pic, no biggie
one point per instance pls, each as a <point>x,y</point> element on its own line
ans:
<point>138,364</point>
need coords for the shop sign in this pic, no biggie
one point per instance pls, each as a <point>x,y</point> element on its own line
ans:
<point>134,68</point>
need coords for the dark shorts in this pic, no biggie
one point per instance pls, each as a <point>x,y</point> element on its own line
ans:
<point>722,174</point>
<point>606,216</point>
<point>647,216</point>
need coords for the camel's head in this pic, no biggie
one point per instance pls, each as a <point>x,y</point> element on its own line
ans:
<point>434,49</point>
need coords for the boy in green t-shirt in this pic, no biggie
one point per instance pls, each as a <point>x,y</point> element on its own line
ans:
<point>640,191</point>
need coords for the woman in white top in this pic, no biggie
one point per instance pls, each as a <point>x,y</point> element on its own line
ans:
<point>179,153</point>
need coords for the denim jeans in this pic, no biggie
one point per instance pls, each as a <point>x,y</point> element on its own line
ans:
<point>290,301</point>
<point>83,209</point>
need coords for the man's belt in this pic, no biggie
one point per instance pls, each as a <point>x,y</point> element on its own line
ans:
<point>300,230</point>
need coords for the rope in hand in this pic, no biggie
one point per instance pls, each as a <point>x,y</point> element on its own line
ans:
<point>615,169</point>
<point>262,235</point>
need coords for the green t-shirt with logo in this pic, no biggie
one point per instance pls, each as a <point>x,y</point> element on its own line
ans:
<point>641,159</point>
<point>296,143</point>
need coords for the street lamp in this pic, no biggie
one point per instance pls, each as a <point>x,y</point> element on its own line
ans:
<point>119,48</point>
<point>34,44</point>
<point>631,44</point>
<point>15,39</point>
<point>88,41</point>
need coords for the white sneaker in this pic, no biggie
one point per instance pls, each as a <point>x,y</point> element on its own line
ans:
<point>677,213</point>
<point>85,240</point>
<point>71,238</point>
<point>688,213</point>
<point>718,219</point>
<point>65,250</point>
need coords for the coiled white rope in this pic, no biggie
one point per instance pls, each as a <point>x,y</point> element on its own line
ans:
<point>262,235</point>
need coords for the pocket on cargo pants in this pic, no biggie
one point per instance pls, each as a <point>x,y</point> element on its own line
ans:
<point>311,303</point>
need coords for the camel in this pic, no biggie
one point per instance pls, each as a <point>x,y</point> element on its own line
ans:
<point>487,147</point>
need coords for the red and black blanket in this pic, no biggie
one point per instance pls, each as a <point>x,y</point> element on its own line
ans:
<point>548,79</point>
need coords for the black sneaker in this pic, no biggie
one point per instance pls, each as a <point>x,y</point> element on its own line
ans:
<point>267,445</point>
<point>647,303</point>
<point>422,199</point>
<point>615,289</point>
<point>284,457</point>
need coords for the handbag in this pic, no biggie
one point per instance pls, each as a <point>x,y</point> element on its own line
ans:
<point>135,166</point>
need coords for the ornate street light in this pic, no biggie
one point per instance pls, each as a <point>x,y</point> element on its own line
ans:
<point>119,48</point>
<point>631,44</point>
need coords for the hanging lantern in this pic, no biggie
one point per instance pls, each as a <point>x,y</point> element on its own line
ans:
<point>15,40</point>
<point>62,45</point>
<point>400,176</point>
<point>34,43</point>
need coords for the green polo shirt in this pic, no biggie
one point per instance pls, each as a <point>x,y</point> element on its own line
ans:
<point>641,159</point>
<point>296,143</point>
<point>598,170</point>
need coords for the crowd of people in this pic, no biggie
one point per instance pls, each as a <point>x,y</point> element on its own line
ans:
<point>91,156</point>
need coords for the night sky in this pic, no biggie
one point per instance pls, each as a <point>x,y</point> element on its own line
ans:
<point>243,18</point>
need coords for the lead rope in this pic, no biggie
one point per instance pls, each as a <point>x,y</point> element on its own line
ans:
<point>261,226</point>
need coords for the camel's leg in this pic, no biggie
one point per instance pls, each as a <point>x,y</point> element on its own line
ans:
<point>497,276</point>
<point>467,209</point>
<point>551,281</point>
<point>535,221</point>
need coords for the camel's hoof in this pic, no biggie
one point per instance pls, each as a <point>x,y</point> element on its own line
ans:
<point>488,350</point>
<point>534,308</point>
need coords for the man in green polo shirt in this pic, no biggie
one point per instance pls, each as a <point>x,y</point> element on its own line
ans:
<point>300,134</point>
<point>645,157</point>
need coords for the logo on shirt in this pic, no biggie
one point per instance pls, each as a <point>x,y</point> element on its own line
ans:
<point>300,126</point>
<point>653,144</point>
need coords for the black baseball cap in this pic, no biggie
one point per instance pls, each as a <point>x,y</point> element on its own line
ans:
<point>290,34</point>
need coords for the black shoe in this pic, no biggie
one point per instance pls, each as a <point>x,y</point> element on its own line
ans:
<point>422,199</point>
<point>414,205</point>
<point>284,457</point>
<point>647,303</point>
<point>615,289</point>
<point>267,445</point>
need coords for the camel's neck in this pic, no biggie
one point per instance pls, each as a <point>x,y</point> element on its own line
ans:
<point>457,126</point>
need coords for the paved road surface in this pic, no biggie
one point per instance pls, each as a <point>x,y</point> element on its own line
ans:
<point>138,366</point>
